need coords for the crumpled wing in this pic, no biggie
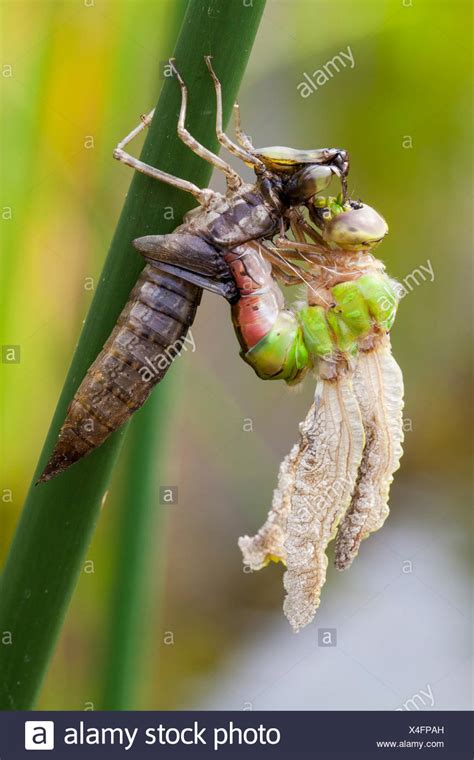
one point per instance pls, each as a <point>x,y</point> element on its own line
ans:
<point>268,544</point>
<point>331,446</point>
<point>378,387</point>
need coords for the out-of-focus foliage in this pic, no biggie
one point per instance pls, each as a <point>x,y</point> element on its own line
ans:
<point>80,75</point>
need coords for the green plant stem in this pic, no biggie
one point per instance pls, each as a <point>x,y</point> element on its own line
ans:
<point>58,518</point>
<point>138,541</point>
<point>137,535</point>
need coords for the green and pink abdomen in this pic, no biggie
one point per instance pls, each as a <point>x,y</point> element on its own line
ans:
<point>281,343</point>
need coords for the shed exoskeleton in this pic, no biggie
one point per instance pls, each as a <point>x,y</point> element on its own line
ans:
<point>218,244</point>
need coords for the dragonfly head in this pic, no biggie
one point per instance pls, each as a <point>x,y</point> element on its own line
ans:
<point>304,173</point>
<point>352,226</point>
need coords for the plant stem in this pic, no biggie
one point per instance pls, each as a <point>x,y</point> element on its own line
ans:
<point>138,536</point>
<point>58,519</point>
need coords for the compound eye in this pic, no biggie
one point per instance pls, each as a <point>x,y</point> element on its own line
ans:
<point>356,229</point>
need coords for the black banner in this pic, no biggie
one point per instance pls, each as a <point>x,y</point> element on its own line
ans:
<point>252,735</point>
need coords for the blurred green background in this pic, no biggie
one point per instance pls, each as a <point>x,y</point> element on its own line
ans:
<point>74,80</point>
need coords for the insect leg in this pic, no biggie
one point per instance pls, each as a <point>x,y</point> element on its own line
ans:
<point>287,273</point>
<point>242,138</point>
<point>282,276</point>
<point>285,244</point>
<point>232,178</point>
<point>224,140</point>
<point>203,196</point>
<point>300,228</point>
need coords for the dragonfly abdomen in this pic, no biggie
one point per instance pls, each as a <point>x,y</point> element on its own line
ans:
<point>148,336</point>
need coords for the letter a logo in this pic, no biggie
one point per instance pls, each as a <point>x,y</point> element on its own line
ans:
<point>39,734</point>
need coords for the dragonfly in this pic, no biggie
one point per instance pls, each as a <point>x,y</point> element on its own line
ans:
<point>335,481</point>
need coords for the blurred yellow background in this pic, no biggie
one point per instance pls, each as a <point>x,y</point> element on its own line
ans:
<point>75,77</point>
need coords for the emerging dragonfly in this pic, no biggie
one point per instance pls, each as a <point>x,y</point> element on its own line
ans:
<point>336,479</point>
<point>339,473</point>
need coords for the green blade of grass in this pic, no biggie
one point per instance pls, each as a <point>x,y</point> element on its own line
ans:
<point>136,533</point>
<point>138,542</point>
<point>59,517</point>
<point>137,536</point>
